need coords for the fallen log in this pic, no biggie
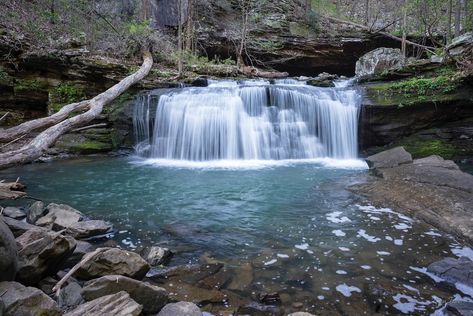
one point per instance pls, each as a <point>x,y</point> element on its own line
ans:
<point>12,190</point>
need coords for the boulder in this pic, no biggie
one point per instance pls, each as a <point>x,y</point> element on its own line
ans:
<point>389,158</point>
<point>35,211</point>
<point>13,212</point>
<point>114,261</point>
<point>157,255</point>
<point>2,307</point>
<point>88,229</point>
<point>59,217</point>
<point>70,296</point>
<point>8,253</point>
<point>459,308</point>
<point>461,45</point>
<point>152,298</point>
<point>42,253</point>
<point>119,304</point>
<point>26,301</point>
<point>180,309</point>
<point>379,60</point>
<point>17,227</point>
<point>82,247</point>
<point>190,273</point>
<point>453,270</point>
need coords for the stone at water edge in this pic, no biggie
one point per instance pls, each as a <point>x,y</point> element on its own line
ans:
<point>88,229</point>
<point>453,270</point>
<point>389,158</point>
<point>59,217</point>
<point>17,227</point>
<point>114,261</point>
<point>119,304</point>
<point>180,309</point>
<point>70,296</point>
<point>13,212</point>
<point>8,253</point>
<point>26,301</point>
<point>301,314</point>
<point>459,308</point>
<point>35,211</point>
<point>82,247</point>
<point>153,298</point>
<point>41,253</point>
<point>379,60</point>
<point>158,255</point>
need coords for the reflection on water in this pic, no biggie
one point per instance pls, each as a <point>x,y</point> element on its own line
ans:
<point>287,229</point>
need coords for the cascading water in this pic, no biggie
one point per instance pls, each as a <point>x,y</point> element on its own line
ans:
<point>250,120</point>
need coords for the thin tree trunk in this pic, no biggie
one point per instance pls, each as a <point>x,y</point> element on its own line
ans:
<point>404,31</point>
<point>458,11</point>
<point>179,38</point>
<point>48,137</point>
<point>449,21</point>
<point>190,25</point>
<point>240,61</point>
<point>367,12</point>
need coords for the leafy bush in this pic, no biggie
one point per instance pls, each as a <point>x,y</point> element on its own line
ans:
<point>68,93</point>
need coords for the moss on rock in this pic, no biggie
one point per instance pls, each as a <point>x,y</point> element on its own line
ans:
<point>423,148</point>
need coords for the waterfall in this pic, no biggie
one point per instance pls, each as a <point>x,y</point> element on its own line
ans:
<point>255,120</point>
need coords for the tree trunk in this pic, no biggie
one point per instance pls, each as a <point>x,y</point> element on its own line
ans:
<point>190,25</point>
<point>449,21</point>
<point>367,12</point>
<point>179,38</point>
<point>458,11</point>
<point>245,14</point>
<point>48,137</point>
<point>404,31</point>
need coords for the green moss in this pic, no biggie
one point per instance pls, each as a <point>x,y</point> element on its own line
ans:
<point>27,85</point>
<point>93,146</point>
<point>419,86</point>
<point>423,148</point>
<point>63,94</point>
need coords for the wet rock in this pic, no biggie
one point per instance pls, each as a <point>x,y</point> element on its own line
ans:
<point>17,227</point>
<point>389,158</point>
<point>82,247</point>
<point>46,285</point>
<point>59,216</point>
<point>119,304</point>
<point>200,82</point>
<point>459,308</point>
<point>180,309</point>
<point>301,314</point>
<point>191,273</point>
<point>114,261</point>
<point>179,291</point>
<point>35,211</point>
<point>70,296</point>
<point>13,212</point>
<point>8,253</point>
<point>269,298</point>
<point>88,229</point>
<point>216,281</point>
<point>259,310</point>
<point>157,255</point>
<point>379,60</point>
<point>152,298</point>
<point>453,270</point>
<point>41,253</point>
<point>26,301</point>
<point>243,278</point>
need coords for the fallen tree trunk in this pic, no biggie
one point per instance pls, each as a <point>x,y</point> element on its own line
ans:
<point>48,137</point>
<point>11,190</point>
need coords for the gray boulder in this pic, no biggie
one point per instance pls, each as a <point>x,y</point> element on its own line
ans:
<point>13,212</point>
<point>17,227</point>
<point>389,158</point>
<point>461,45</point>
<point>157,255</point>
<point>70,296</point>
<point>114,261</point>
<point>459,308</point>
<point>88,229</point>
<point>8,253</point>
<point>35,211</point>
<point>119,304</point>
<point>379,60</point>
<point>152,298</point>
<point>59,217</point>
<point>42,253</point>
<point>180,309</point>
<point>82,247</point>
<point>453,270</point>
<point>26,301</point>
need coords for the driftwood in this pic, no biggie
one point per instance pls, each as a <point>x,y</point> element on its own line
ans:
<point>62,123</point>
<point>87,257</point>
<point>255,72</point>
<point>12,190</point>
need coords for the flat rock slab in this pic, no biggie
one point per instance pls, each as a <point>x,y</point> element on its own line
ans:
<point>26,301</point>
<point>180,309</point>
<point>431,189</point>
<point>41,253</point>
<point>389,158</point>
<point>113,261</point>
<point>89,229</point>
<point>14,212</point>
<point>59,217</point>
<point>119,304</point>
<point>453,270</point>
<point>152,298</point>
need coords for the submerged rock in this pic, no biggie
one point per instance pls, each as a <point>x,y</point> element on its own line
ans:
<point>180,309</point>
<point>14,212</point>
<point>59,216</point>
<point>114,261</point>
<point>459,308</point>
<point>26,301</point>
<point>190,273</point>
<point>88,229</point>
<point>41,253</point>
<point>379,60</point>
<point>35,211</point>
<point>453,270</point>
<point>119,304</point>
<point>8,253</point>
<point>157,255</point>
<point>152,298</point>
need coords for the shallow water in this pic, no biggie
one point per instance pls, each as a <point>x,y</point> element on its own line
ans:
<point>301,232</point>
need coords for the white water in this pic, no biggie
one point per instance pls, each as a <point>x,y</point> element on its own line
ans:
<point>250,121</point>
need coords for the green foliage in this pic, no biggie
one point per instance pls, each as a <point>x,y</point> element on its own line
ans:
<point>419,86</point>
<point>27,85</point>
<point>68,93</point>
<point>424,148</point>
<point>193,60</point>
<point>138,27</point>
